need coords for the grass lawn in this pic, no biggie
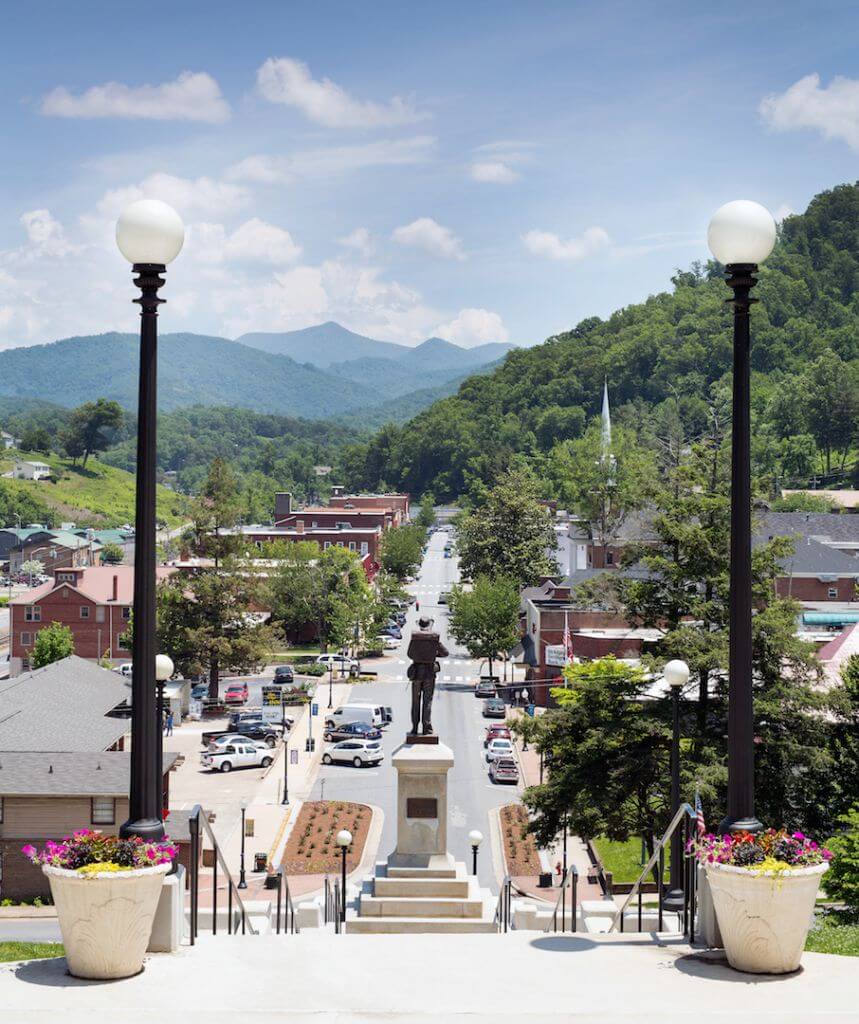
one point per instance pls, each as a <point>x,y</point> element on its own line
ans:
<point>97,494</point>
<point>831,934</point>
<point>623,859</point>
<point>29,950</point>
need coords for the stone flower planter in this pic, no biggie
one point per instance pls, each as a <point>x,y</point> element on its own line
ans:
<point>764,918</point>
<point>106,918</point>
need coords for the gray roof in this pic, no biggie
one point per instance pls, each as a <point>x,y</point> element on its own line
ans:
<point>62,707</point>
<point>833,526</point>
<point>64,774</point>
<point>812,557</point>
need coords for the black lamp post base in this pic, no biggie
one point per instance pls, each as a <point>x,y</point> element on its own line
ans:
<point>730,824</point>
<point>151,830</point>
<point>673,901</point>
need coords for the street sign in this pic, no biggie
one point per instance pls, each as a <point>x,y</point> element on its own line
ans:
<point>556,655</point>
<point>271,696</point>
<point>293,757</point>
<point>314,710</point>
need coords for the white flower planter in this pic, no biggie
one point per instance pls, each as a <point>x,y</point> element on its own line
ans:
<point>106,918</point>
<point>764,917</point>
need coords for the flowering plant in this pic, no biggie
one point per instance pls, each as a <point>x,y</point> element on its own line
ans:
<point>772,850</point>
<point>87,852</point>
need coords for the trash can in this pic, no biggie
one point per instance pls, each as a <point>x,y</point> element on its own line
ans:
<point>545,881</point>
<point>260,861</point>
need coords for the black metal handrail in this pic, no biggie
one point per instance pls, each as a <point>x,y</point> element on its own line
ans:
<point>285,907</point>
<point>570,878</point>
<point>237,915</point>
<point>503,910</point>
<point>685,816</point>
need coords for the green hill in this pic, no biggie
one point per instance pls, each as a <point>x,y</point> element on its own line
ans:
<point>664,357</point>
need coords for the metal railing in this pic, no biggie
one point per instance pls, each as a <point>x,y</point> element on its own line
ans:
<point>285,907</point>
<point>237,915</point>
<point>503,910</point>
<point>569,880</point>
<point>685,816</point>
<point>332,903</point>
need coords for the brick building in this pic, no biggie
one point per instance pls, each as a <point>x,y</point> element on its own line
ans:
<point>55,549</point>
<point>94,602</point>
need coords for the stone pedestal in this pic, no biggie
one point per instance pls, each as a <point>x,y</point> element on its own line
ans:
<point>421,805</point>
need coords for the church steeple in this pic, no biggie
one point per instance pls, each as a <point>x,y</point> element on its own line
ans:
<point>606,421</point>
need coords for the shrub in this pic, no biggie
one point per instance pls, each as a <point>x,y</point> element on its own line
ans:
<point>842,880</point>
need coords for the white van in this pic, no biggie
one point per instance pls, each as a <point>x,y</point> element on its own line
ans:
<point>370,714</point>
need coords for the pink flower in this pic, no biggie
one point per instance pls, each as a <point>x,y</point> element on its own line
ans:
<point>29,851</point>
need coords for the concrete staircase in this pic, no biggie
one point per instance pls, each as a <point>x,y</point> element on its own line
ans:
<point>437,898</point>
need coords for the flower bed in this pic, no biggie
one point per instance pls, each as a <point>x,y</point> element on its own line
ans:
<point>520,847</point>
<point>312,849</point>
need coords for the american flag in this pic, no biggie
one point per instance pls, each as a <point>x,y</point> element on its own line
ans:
<point>700,825</point>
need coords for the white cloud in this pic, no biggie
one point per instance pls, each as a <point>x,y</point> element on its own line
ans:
<point>430,236</point>
<point>330,160</point>
<point>493,172</point>
<point>545,243</point>
<point>45,234</point>
<point>255,241</point>
<point>192,197</point>
<point>783,211</point>
<point>359,240</point>
<point>193,96</point>
<point>473,327</point>
<point>833,111</point>
<point>288,81</point>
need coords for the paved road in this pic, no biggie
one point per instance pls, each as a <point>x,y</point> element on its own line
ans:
<point>456,718</point>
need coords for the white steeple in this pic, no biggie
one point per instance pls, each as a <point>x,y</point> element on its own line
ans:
<point>606,421</point>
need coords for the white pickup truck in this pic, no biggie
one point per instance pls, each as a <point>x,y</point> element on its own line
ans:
<point>237,755</point>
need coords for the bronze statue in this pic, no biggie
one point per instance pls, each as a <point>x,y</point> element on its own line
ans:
<point>425,648</point>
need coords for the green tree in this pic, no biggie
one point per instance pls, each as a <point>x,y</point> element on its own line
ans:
<point>36,439</point>
<point>402,550</point>
<point>112,554</point>
<point>842,879</point>
<point>426,517</point>
<point>52,643</point>
<point>485,619</point>
<point>86,434</point>
<point>510,536</point>
<point>33,567</point>
<point>832,405</point>
<point>215,513</point>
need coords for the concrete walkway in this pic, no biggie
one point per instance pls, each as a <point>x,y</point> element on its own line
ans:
<point>319,976</point>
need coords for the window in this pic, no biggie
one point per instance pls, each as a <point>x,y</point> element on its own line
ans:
<point>26,639</point>
<point>122,642</point>
<point>365,547</point>
<point>65,577</point>
<point>84,611</point>
<point>609,558</point>
<point>99,613</point>
<point>832,593</point>
<point>126,613</point>
<point>103,810</point>
<point>32,613</point>
<point>351,545</point>
<point>326,545</point>
<point>314,524</point>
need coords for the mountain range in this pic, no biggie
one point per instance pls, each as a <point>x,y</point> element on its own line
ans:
<point>319,372</point>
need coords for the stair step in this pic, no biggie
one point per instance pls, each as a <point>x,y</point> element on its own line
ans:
<point>439,872</point>
<point>419,906</point>
<point>379,925</point>
<point>438,887</point>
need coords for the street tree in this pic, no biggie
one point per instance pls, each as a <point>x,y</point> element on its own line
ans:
<point>402,549</point>
<point>426,516</point>
<point>52,643</point>
<point>33,567</point>
<point>112,554</point>
<point>510,536</point>
<point>485,619</point>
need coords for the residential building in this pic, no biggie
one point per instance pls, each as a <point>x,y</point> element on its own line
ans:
<point>94,602</point>
<point>8,441</point>
<point>122,538</point>
<point>397,504</point>
<point>11,537</point>
<point>332,516</point>
<point>26,470</point>
<point>55,549</point>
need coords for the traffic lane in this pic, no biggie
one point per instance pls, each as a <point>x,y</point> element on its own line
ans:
<point>30,929</point>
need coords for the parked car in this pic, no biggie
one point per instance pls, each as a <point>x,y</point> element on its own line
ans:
<point>498,748</point>
<point>370,714</point>
<point>271,716</point>
<point>504,769</point>
<point>391,630</point>
<point>351,730</point>
<point>485,688</point>
<point>199,691</point>
<point>218,742</point>
<point>241,753</point>
<point>443,596</point>
<point>400,618</point>
<point>355,752</point>
<point>494,708</point>
<point>125,670</point>
<point>390,643</point>
<point>237,693</point>
<point>340,661</point>
<point>284,674</point>
<point>496,732</point>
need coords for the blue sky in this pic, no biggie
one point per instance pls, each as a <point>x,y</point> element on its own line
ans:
<point>483,171</point>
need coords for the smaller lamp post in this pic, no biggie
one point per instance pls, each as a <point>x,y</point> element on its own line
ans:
<point>330,684</point>
<point>676,674</point>
<point>243,884</point>
<point>525,696</point>
<point>285,727</point>
<point>344,841</point>
<point>475,838</point>
<point>163,672</point>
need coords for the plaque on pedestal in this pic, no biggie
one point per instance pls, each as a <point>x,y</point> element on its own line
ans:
<point>413,738</point>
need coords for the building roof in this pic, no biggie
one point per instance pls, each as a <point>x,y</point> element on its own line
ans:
<point>109,536</point>
<point>82,773</point>
<point>811,558</point>
<point>96,583</point>
<point>822,526</point>
<point>61,539</point>
<point>61,707</point>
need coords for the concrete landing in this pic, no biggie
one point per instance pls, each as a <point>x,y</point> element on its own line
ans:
<point>429,979</point>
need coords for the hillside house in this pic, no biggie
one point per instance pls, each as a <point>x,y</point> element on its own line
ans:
<point>27,470</point>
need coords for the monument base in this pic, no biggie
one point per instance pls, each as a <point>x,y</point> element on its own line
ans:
<point>415,738</point>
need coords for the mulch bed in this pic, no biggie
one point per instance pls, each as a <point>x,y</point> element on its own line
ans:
<point>312,848</point>
<point>520,847</point>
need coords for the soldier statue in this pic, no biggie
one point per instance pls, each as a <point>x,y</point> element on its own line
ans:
<point>425,648</point>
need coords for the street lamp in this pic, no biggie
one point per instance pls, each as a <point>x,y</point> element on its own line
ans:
<point>676,674</point>
<point>149,235</point>
<point>525,696</point>
<point>475,838</point>
<point>330,683</point>
<point>344,841</point>
<point>285,799</point>
<point>163,672</point>
<point>741,235</point>
<point>243,883</point>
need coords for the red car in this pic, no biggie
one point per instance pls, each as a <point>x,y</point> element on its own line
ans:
<point>237,693</point>
<point>496,732</point>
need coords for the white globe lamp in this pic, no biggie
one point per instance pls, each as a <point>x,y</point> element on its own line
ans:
<point>741,232</point>
<point>150,232</point>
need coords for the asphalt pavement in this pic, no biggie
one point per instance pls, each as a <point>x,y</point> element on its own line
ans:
<point>456,719</point>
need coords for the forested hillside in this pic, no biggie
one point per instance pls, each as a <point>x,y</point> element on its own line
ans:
<point>667,361</point>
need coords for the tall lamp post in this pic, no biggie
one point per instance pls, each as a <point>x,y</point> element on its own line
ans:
<point>150,235</point>
<point>243,882</point>
<point>283,723</point>
<point>163,672</point>
<point>741,235</point>
<point>676,674</point>
<point>475,838</point>
<point>344,841</point>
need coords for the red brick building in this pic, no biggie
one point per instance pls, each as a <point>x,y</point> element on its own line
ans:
<point>94,602</point>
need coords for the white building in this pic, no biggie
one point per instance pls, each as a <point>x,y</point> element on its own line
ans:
<point>31,470</point>
<point>8,441</point>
